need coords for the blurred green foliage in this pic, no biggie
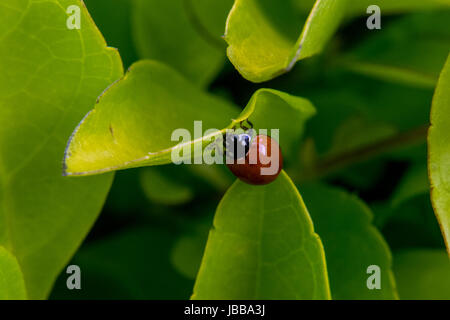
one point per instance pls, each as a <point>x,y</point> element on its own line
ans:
<point>356,109</point>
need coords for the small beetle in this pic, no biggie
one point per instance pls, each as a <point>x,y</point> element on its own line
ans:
<point>262,162</point>
<point>254,159</point>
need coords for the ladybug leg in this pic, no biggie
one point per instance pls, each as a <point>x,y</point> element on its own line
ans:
<point>243,124</point>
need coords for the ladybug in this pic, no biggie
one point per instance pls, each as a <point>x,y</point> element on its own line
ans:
<point>254,159</point>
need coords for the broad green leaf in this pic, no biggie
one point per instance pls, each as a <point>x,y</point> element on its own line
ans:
<point>439,153</point>
<point>262,246</point>
<point>12,285</point>
<point>50,78</point>
<point>409,51</point>
<point>131,264</point>
<point>182,33</point>
<point>159,186</point>
<point>422,274</point>
<point>263,40</point>
<point>132,123</point>
<point>351,242</point>
<point>387,6</point>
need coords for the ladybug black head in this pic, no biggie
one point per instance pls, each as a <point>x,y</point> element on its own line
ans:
<point>237,144</point>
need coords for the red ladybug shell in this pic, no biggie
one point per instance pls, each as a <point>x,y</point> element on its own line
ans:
<point>257,168</point>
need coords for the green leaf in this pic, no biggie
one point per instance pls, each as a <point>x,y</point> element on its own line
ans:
<point>422,274</point>
<point>132,123</point>
<point>413,50</point>
<point>263,35</point>
<point>12,284</point>
<point>262,246</point>
<point>182,33</point>
<point>50,78</point>
<point>160,187</point>
<point>131,264</point>
<point>351,242</point>
<point>439,153</point>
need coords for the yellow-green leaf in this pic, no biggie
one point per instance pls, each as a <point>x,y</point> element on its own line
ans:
<point>262,246</point>
<point>351,242</point>
<point>12,285</point>
<point>50,77</point>
<point>439,153</point>
<point>263,39</point>
<point>132,123</point>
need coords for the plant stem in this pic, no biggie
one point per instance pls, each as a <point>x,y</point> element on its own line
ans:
<point>330,164</point>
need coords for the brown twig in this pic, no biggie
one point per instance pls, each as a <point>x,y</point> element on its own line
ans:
<point>333,163</point>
